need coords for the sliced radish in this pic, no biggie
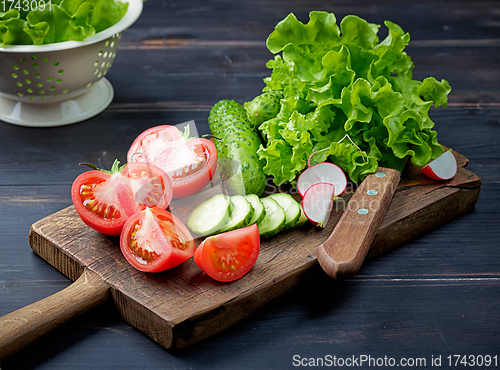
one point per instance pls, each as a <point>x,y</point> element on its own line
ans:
<point>318,202</point>
<point>322,172</point>
<point>443,167</point>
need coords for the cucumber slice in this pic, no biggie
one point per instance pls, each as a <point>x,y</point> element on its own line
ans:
<point>211,215</point>
<point>274,220</point>
<point>302,219</point>
<point>290,206</point>
<point>258,208</point>
<point>241,215</point>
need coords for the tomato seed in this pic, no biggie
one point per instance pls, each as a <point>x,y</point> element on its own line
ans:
<point>88,203</point>
<point>94,206</point>
<point>99,208</point>
<point>138,249</point>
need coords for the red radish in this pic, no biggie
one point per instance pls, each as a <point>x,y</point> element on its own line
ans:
<point>443,167</point>
<point>318,202</point>
<point>322,172</point>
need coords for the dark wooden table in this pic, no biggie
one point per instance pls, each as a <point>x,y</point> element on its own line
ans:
<point>434,297</point>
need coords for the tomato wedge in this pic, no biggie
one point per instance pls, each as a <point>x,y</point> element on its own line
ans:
<point>230,255</point>
<point>154,240</point>
<point>105,200</point>
<point>190,162</point>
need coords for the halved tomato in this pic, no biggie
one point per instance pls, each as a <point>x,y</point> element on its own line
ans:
<point>228,256</point>
<point>105,200</point>
<point>190,162</point>
<point>154,240</point>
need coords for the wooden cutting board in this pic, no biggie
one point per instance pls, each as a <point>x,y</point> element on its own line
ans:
<point>179,307</point>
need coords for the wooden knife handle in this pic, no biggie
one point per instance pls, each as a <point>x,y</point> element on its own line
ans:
<point>21,327</point>
<point>344,251</point>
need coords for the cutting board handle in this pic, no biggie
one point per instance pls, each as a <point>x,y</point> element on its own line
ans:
<point>21,327</point>
<point>342,254</point>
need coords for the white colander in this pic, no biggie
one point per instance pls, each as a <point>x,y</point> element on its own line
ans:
<point>63,83</point>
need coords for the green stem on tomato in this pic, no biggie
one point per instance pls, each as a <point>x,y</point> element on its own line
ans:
<point>210,136</point>
<point>114,168</point>
<point>187,133</point>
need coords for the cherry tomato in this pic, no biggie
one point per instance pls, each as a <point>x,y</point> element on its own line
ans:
<point>154,240</point>
<point>228,256</point>
<point>190,162</point>
<point>105,200</point>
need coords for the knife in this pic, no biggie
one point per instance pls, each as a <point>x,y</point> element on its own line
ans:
<point>343,253</point>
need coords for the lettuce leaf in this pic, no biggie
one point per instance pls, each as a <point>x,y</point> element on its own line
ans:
<point>348,94</point>
<point>11,28</point>
<point>66,20</point>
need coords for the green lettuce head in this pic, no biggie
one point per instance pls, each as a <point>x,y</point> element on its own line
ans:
<point>349,95</point>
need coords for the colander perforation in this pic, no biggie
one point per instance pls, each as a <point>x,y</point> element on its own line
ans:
<point>37,77</point>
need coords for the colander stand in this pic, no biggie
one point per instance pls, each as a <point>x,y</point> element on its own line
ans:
<point>56,87</point>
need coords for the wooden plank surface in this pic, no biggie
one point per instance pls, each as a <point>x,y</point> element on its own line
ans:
<point>181,306</point>
<point>437,295</point>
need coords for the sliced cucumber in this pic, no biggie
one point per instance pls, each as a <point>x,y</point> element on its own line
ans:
<point>211,215</point>
<point>241,214</point>
<point>274,220</point>
<point>291,207</point>
<point>302,219</point>
<point>258,208</point>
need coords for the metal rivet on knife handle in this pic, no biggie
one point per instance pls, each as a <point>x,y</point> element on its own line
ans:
<point>344,251</point>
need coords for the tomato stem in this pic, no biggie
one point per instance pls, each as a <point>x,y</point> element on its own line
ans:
<point>90,165</point>
<point>209,136</point>
<point>186,134</point>
<point>114,168</point>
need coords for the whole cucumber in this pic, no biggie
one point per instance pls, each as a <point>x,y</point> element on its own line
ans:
<point>263,107</point>
<point>237,140</point>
